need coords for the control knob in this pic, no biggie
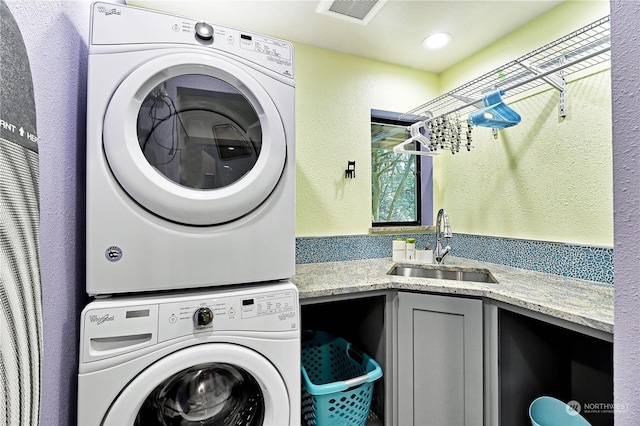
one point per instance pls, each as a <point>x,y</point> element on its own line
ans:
<point>204,32</point>
<point>203,317</point>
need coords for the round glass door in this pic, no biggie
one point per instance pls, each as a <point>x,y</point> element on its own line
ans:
<point>194,139</point>
<point>208,394</point>
<point>199,132</point>
<point>207,384</point>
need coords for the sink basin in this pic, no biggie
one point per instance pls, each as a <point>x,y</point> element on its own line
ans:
<point>444,273</point>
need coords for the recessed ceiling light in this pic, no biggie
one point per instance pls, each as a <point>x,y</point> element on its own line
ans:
<point>436,41</point>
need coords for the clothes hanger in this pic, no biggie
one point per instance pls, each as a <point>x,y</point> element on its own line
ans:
<point>495,114</point>
<point>417,136</point>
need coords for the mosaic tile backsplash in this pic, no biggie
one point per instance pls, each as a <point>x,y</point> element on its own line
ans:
<point>583,262</point>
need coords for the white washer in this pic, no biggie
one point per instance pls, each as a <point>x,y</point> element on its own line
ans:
<point>190,154</point>
<point>204,358</point>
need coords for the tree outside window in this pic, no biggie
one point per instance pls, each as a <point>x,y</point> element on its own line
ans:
<point>395,178</point>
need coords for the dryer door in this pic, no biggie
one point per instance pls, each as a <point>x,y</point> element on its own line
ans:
<point>209,384</point>
<point>194,139</point>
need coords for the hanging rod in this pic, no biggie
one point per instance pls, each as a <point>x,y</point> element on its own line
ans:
<point>567,56</point>
<point>575,44</point>
<point>540,75</point>
<point>588,44</point>
<point>417,136</point>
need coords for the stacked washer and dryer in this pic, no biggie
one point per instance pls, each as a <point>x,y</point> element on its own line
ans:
<point>190,235</point>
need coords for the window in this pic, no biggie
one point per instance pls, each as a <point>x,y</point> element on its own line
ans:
<point>397,179</point>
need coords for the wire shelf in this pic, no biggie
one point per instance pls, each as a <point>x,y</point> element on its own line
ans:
<point>579,50</point>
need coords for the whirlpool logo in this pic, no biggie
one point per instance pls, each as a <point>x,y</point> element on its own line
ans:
<point>109,10</point>
<point>101,319</point>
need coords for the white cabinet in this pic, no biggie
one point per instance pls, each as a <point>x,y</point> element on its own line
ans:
<point>439,360</point>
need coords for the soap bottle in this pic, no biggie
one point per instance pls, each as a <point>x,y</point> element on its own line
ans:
<point>398,252</point>
<point>410,249</point>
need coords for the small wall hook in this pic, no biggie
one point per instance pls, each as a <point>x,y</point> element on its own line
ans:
<point>350,172</point>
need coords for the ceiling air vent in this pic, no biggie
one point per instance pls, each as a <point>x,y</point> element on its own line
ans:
<point>360,11</point>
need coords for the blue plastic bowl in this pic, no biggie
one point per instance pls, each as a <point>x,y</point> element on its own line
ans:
<point>548,411</point>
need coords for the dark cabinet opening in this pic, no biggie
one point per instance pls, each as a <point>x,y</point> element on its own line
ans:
<point>538,359</point>
<point>360,321</point>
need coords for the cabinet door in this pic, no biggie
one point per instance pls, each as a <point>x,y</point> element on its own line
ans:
<point>439,360</point>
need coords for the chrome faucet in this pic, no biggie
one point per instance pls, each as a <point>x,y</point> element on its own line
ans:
<point>438,252</point>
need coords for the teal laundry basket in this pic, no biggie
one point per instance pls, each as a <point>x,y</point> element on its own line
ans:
<point>337,381</point>
<point>548,411</point>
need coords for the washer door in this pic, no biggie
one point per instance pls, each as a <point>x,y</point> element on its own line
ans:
<point>194,139</point>
<point>209,384</point>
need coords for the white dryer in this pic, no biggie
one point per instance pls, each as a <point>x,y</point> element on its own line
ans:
<point>230,356</point>
<point>190,178</point>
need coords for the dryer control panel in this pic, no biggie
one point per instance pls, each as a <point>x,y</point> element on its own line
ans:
<point>115,24</point>
<point>114,327</point>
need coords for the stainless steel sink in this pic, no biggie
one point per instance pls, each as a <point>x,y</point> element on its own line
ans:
<point>444,273</point>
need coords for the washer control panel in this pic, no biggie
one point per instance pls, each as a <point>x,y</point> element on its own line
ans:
<point>272,311</point>
<point>114,327</point>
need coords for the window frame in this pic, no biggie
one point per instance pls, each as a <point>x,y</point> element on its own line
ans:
<point>393,118</point>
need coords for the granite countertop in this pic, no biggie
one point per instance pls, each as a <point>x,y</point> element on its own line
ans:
<point>578,301</point>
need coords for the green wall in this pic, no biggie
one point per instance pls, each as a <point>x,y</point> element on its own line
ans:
<point>544,179</point>
<point>334,97</point>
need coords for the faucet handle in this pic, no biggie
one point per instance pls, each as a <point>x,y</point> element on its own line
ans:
<point>440,257</point>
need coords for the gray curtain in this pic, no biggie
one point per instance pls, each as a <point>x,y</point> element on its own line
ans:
<point>21,347</point>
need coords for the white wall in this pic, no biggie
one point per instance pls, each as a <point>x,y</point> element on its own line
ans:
<point>625,86</point>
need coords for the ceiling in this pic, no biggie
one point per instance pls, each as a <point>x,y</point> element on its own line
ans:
<point>393,35</point>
